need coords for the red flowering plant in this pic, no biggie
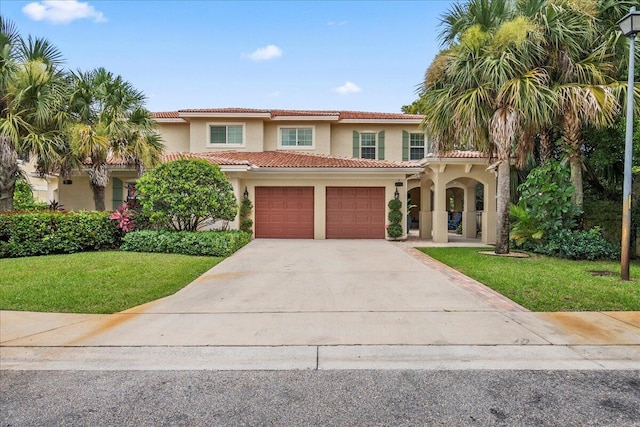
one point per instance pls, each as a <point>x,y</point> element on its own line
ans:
<point>124,218</point>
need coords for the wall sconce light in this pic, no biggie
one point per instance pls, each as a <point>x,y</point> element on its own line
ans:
<point>246,193</point>
<point>67,181</point>
<point>397,194</point>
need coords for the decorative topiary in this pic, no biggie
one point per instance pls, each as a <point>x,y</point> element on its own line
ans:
<point>246,223</point>
<point>394,229</point>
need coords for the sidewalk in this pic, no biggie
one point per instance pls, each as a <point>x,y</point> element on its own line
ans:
<point>325,308</point>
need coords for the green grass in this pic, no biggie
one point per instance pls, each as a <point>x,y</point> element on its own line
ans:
<point>548,284</point>
<point>95,282</point>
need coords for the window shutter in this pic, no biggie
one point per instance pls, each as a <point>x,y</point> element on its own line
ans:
<point>117,193</point>
<point>356,144</point>
<point>405,146</point>
<point>381,145</point>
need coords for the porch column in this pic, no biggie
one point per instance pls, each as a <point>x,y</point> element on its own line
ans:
<point>440,216</point>
<point>489,212</point>
<point>426,224</point>
<point>469,228</point>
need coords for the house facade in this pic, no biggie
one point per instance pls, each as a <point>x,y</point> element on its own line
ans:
<point>321,174</point>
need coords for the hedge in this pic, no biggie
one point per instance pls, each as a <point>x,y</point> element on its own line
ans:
<point>211,243</point>
<point>29,234</point>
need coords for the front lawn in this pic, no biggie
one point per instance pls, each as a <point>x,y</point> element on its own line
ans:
<point>95,282</point>
<point>542,283</point>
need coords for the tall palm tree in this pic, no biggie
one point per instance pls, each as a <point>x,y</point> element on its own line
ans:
<point>108,120</point>
<point>582,72</point>
<point>32,107</point>
<point>488,92</point>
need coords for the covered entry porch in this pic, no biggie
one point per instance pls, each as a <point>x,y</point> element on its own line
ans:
<point>455,194</point>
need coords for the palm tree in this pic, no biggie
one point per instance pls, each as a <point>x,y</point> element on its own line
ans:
<point>582,73</point>
<point>108,120</point>
<point>487,91</point>
<point>32,112</point>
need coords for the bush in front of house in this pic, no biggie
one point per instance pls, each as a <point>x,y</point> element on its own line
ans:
<point>210,243</point>
<point>579,245</point>
<point>186,195</point>
<point>29,234</point>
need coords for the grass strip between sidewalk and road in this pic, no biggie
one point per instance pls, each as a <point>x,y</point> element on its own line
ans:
<point>95,282</point>
<point>541,283</point>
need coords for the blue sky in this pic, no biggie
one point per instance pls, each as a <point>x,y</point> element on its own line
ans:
<point>346,55</point>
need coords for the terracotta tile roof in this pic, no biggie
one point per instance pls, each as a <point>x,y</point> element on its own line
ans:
<point>342,115</point>
<point>289,159</point>
<point>459,154</point>
<point>224,110</point>
<point>211,157</point>
<point>166,115</point>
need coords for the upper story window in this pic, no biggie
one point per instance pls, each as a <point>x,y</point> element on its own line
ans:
<point>415,145</point>
<point>296,137</point>
<point>368,145</point>
<point>226,134</point>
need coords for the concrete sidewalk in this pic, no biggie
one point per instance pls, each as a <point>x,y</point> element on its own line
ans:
<point>285,304</point>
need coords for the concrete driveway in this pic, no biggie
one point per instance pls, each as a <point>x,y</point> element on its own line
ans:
<point>335,295</point>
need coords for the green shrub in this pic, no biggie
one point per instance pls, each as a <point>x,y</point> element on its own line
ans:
<point>246,223</point>
<point>23,199</point>
<point>187,195</point>
<point>29,234</point>
<point>395,217</point>
<point>210,243</point>
<point>394,229</point>
<point>587,245</point>
<point>545,204</point>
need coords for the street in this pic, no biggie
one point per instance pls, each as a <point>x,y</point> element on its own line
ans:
<point>344,398</point>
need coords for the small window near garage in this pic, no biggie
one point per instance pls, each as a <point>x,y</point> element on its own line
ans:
<point>227,134</point>
<point>368,146</point>
<point>296,137</point>
<point>416,146</point>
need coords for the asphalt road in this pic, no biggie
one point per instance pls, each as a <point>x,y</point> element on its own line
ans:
<point>342,398</point>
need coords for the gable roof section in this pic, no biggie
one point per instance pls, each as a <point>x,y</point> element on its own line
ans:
<point>289,159</point>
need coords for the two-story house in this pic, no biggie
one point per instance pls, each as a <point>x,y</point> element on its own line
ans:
<point>321,174</point>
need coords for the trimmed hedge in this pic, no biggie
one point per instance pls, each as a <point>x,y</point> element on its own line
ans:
<point>579,245</point>
<point>211,243</point>
<point>29,234</point>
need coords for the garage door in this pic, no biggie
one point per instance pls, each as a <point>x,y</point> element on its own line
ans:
<point>355,213</point>
<point>284,212</point>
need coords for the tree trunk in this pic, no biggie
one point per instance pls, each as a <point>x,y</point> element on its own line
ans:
<point>502,217</point>
<point>98,180</point>
<point>8,173</point>
<point>546,147</point>
<point>573,144</point>
<point>98,197</point>
<point>576,180</point>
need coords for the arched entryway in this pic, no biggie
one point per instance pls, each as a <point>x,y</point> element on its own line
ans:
<point>450,192</point>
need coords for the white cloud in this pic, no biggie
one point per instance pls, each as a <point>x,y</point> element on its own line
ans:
<point>266,53</point>
<point>62,11</point>
<point>274,94</point>
<point>347,88</point>
<point>336,23</point>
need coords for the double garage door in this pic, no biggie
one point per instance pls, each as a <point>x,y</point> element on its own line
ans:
<point>351,213</point>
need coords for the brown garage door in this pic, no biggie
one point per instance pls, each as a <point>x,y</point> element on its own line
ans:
<point>355,213</point>
<point>284,212</point>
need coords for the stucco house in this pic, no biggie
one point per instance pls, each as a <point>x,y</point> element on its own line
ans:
<point>321,174</point>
